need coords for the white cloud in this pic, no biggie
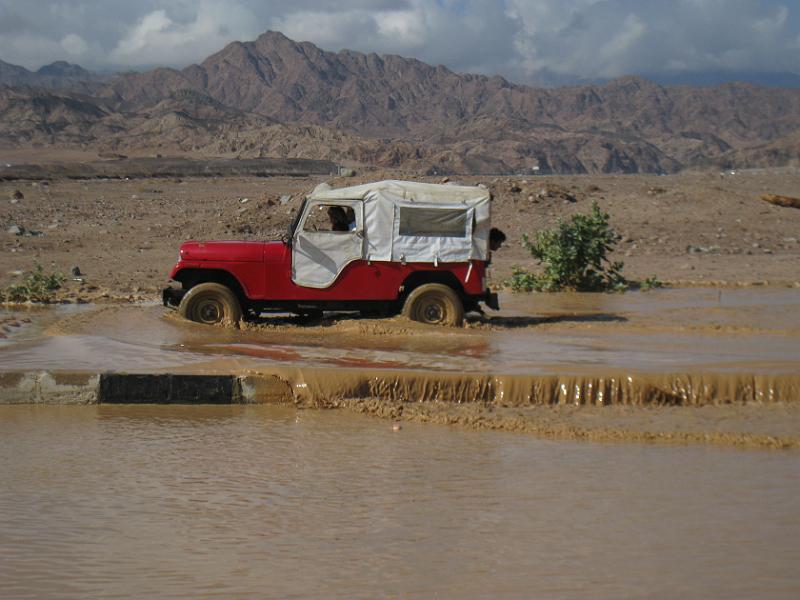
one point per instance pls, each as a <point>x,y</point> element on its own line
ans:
<point>74,45</point>
<point>590,38</point>
<point>157,38</point>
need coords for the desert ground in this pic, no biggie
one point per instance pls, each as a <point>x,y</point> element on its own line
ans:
<point>123,234</point>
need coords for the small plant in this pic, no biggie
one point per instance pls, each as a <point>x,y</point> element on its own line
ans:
<point>522,281</point>
<point>37,287</point>
<point>574,254</point>
<point>651,283</point>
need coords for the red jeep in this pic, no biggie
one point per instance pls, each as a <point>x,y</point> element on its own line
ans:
<point>377,248</point>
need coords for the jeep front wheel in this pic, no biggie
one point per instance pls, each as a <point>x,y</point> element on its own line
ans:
<point>210,303</point>
<point>434,304</point>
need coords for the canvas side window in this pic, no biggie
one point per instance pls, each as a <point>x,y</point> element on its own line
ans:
<point>330,218</point>
<point>433,222</point>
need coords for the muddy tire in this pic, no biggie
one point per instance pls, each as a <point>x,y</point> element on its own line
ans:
<point>210,303</point>
<point>434,304</point>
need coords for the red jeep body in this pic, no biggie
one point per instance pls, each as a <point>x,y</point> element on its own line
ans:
<point>263,278</point>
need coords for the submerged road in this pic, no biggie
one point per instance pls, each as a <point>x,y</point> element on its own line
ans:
<point>685,346</point>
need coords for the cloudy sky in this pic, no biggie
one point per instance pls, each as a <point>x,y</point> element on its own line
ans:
<point>524,40</point>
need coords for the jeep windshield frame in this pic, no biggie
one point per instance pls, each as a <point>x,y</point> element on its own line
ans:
<point>296,221</point>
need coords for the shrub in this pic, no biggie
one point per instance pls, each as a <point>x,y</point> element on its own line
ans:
<point>651,283</point>
<point>574,257</point>
<point>523,281</point>
<point>37,287</point>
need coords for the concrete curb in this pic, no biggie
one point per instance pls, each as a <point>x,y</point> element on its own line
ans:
<point>43,387</point>
<point>49,388</point>
<point>116,388</point>
<point>324,387</point>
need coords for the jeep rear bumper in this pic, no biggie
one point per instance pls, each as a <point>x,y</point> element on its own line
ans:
<point>491,300</point>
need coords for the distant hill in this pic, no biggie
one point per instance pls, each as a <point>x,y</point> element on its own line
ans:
<point>57,76</point>
<point>274,95</point>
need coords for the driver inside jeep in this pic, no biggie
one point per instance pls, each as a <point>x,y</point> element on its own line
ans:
<point>340,219</point>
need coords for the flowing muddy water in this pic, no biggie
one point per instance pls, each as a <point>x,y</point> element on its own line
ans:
<point>270,502</point>
<point>684,347</point>
<point>750,330</point>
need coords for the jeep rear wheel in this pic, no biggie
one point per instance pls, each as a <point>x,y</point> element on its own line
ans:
<point>210,303</point>
<point>434,304</point>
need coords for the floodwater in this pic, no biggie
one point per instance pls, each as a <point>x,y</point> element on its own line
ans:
<point>722,331</point>
<point>269,502</point>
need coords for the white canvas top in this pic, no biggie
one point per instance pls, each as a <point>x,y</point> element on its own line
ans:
<point>389,230</point>
<point>412,191</point>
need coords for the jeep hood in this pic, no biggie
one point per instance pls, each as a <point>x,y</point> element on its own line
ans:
<point>233,251</point>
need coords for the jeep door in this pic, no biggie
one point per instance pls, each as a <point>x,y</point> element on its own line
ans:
<point>324,243</point>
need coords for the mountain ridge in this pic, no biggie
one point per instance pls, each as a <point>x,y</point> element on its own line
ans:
<point>401,111</point>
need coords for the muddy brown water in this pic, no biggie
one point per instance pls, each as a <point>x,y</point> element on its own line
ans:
<point>269,502</point>
<point>664,349</point>
<point>748,330</point>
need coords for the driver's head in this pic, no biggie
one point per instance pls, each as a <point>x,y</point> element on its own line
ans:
<point>338,218</point>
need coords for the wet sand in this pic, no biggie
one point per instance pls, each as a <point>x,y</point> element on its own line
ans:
<point>674,366</point>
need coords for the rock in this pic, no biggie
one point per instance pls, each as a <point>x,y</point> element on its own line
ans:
<point>702,249</point>
<point>347,172</point>
<point>778,200</point>
<point>16,230</point>
<point>285,200</point>
<point>515,189</point>
<point>17,195</point>
<point>244,200</point>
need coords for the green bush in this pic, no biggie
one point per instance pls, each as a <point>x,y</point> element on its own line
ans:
<point>37,287</point>
<point>651,283</point>
<point>574,255</point>
<point>522,280</point>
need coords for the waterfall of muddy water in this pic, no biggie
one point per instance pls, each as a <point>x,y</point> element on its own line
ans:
<point>270,502</point>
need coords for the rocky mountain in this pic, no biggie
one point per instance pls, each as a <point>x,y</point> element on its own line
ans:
<point>396,111</point>
<point>57,76</point>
